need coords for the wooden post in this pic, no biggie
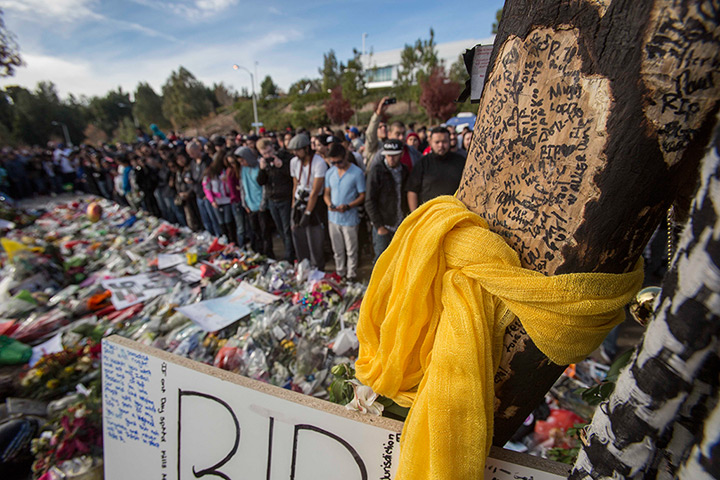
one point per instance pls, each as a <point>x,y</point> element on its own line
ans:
<point>592,122</point>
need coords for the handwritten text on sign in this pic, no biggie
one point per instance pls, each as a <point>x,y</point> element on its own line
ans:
<point>166,417</point>
<point>167,421</point>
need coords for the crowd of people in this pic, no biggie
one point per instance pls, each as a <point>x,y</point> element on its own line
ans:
<point>348,187</point>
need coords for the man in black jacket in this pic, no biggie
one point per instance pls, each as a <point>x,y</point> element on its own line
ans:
<point>275,176</point>
<point>385,199</point>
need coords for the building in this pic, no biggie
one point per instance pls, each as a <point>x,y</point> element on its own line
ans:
<point>381,68</point>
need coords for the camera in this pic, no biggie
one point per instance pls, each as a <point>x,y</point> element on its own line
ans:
<point>390,101</point>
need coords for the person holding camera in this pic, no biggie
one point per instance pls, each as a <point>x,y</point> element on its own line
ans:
<point>275,177</point>
<point>344,193</point>
<point>308,172</point>
<point>396,131</point>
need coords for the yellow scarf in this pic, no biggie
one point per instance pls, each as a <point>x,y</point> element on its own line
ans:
<point>432,323</point>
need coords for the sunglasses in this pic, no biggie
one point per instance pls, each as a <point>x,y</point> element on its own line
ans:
<point>337,163</point>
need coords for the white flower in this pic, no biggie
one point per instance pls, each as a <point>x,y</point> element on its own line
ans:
<point>364,400</point>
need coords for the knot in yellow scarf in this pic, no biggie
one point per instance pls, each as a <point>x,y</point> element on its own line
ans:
<point>432,323</point>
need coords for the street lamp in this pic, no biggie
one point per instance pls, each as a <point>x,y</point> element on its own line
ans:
<point>68,142</point>
<point>252,82</point>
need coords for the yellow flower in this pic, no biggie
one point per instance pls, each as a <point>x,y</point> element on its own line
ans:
<point>69,370</point>
<point>54,383</point>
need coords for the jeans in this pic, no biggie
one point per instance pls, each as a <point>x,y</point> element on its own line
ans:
<point>243,231</point>
<point>309,244</point>
<point>280,212</point>
<point>223,213</point>
<point>344,240</point>
<point>262,241</point>
<point>162,206</point>
<point>380,242</point>
<point>207,216</point>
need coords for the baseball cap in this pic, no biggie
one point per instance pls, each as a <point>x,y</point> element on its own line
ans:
<point>328,140</point>
<point>392,147</point>
<point>354,130</point>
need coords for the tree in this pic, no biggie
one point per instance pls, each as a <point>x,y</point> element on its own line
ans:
<point>417,62</point>
<point>353,81</point>
<point>458,73</point>
<point>107,112</point>
<point>622,184</point>
<point>498,17</point>
<point>268,89</point>
<point>438,95</point>
<point>224,95</point>
<point>148,107</point>
<point>26,116</point>
<point>9,51</point>
<point>330,72</point>
<point>337,107</point>
<point>305,85</point>
<point>184,99</point>
<point>427,55</point>
<point>407,74</point>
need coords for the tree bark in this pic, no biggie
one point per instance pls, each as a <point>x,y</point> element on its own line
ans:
<point>663,419</point>
<point>593,119</point>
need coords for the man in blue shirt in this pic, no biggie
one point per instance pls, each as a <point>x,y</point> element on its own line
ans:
<point>344,192</point>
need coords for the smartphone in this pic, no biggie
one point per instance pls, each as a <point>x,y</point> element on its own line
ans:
<point>390,101</point>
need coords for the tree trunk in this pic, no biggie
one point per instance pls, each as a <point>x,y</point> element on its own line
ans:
<point>592,121</point>
<point>656,422</point>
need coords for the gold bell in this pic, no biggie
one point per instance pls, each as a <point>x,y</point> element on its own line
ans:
<point>641,308</point>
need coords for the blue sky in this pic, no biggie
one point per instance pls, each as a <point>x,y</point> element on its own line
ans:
<point>87,47</point>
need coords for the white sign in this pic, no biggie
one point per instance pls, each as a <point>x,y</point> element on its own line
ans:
<point>481,62</point>
<point>167,417</point>
<point>54,345</point>
<point>217,313</point>
<point>167,260</point>
<point>128,291</point>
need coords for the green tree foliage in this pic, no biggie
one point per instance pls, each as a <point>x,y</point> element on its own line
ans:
<point>458,73</point>
<point>185,100</point>
<point>305,86</point>
<point>268,89</point>
<point>9,51</point>
<point>224,95</point>
<point>331,71</point>
<point>107,112</point>
<point>416,63</point>
<point>438,95</point>
<point>353,81</point>
<point>496,23</point>
<point>26,116</point>
<point>148,107</point>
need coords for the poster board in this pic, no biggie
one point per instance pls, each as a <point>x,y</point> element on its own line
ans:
<point>481,61</point>
<point>167,417</point>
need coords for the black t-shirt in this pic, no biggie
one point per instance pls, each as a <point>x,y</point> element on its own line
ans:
<point>434,176</point>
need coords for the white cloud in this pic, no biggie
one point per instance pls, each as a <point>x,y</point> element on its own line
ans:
<point>192,10</point>
<point>59,10</point>
<point>214,5</point>
<point>210,63</point>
